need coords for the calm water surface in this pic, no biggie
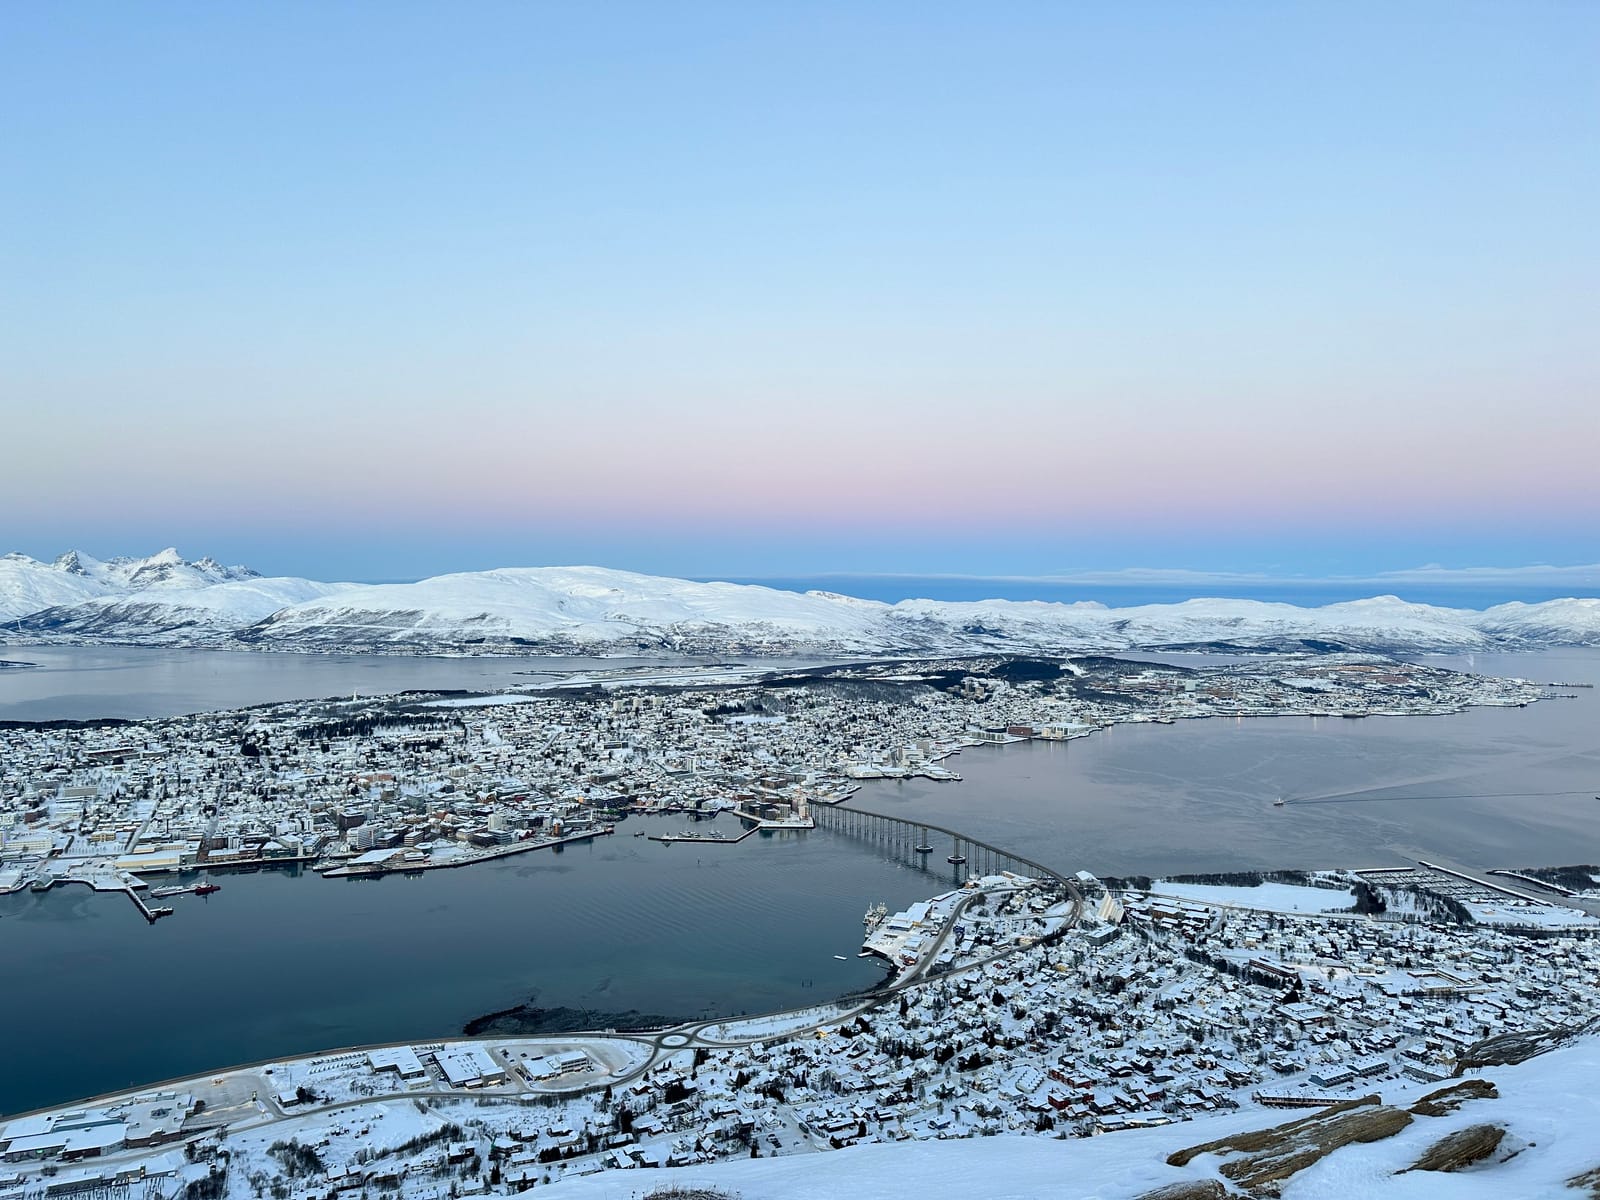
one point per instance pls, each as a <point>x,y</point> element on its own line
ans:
<point>274,965</point>
<point>1486,788</point>
<point>84,682</point>
<point>95,999</point>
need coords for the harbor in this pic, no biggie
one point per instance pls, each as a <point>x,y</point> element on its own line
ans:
<point>103,880</point>
<point>375,863</point>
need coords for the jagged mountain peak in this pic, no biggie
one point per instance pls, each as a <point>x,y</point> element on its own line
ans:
<point>168,568</point>
<point>75,562</point>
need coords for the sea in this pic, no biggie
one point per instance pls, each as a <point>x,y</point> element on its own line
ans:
<point>626,929</point>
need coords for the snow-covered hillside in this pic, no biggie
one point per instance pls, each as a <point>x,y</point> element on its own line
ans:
<point>168,614</point>
<point>580,608</point>
<point>588,609</point>
<point>164,600</point>
<point>28,586</point>
<point>1548,1108</point>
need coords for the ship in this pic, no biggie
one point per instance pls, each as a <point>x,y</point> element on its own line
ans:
<point>205,887</point>
<point>876,915</point>
<point>162,893</point>
<point>1279,802</point>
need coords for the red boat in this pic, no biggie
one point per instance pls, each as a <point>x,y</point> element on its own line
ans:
<point>206,888</point>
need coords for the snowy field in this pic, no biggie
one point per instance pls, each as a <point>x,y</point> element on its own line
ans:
<point>482,701</point>
<point>776,1025</point>
<point>1269,897</point>
<point>1552,916</point>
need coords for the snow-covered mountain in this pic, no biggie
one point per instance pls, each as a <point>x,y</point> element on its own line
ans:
<point>165,600</point>
<point>28,586</point>
<point>169,614</point>
<point>582,609</point>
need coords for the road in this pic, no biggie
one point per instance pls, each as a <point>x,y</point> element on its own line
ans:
<point>244,1097</point>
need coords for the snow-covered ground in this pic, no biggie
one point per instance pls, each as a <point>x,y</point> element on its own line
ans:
<point>1549,1106</point>
<point>1270,897</point>
<point>481,701</point>
<point>1544,916</point>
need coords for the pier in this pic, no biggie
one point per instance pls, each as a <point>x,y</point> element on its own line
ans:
<point>920,843</point>
<point>102,882</point>
<point>702,839</point>
<point>396,864</point>
<point>150,914</point>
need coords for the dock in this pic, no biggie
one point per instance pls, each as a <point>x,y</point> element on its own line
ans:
<point>129,885</point>
<point>396,864</point>
<point>796,822</point>
<point>150,914</point>
<point>702,839</point>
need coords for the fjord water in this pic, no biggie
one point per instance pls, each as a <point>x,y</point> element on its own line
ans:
<point>1490,787</point>
<point>79,683</point>
<point>274,965</point>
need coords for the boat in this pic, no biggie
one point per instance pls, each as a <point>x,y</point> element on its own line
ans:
<point>1279,802</point>
<point>205,887</point>
<point>841,958</point>
<point>956,860</point>
<point>876,915</point>
<point>161,893</point>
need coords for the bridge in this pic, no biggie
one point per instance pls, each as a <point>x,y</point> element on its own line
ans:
<point>934,847</point>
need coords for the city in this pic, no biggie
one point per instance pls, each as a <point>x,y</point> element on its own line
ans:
<point>418,783</point>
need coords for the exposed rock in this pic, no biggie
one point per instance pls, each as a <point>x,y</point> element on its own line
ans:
<point>1460,1149</point>
<point>1447,1099</point>
<point>1189,1189</point>
<point>1589,1180</point>
<point>1269,1156</point>
<point>1505,1049</point>
<point>1259,1139</point>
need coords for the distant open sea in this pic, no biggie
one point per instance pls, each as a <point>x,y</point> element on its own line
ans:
<point>892,588</point>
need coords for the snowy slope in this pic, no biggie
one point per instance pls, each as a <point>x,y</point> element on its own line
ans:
<point>1569,622</point>
<point>1549,1106</point>
<point>582,608</point>
<point>168,612</point>
<point>1384,622</point>
<point>590,610</point>
<point>27,585</point>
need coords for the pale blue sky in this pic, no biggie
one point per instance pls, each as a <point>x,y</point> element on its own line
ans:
<point>751,289</point>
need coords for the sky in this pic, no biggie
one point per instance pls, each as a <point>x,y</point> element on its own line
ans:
<point>382,290</point>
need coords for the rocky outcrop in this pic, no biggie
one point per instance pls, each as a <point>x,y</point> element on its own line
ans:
<point>1505,1049</point>
<point>1193,1189</point>
<point>1460,1149</point>
<point>1267,1157</point>
<point>1589,1182</point>
<point>1447,1099</point>
<point>1259,1139</point>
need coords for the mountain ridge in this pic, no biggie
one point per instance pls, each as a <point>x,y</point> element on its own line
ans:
<point>167,600</point>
